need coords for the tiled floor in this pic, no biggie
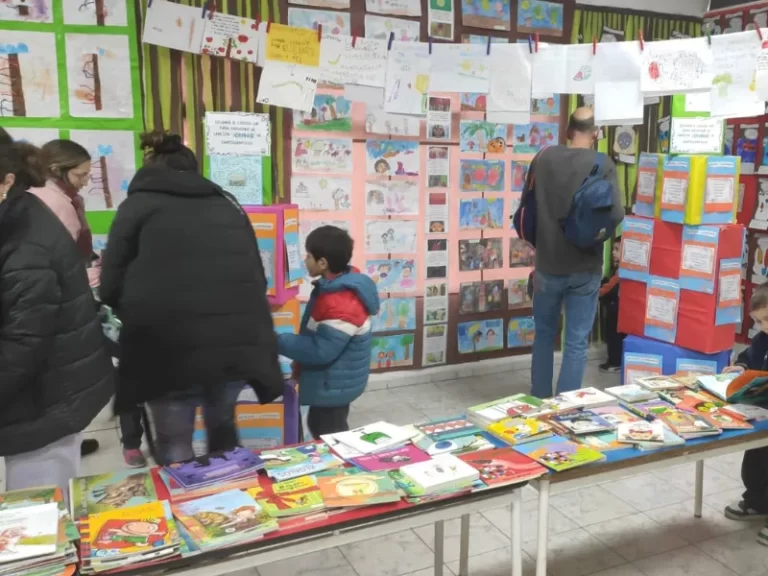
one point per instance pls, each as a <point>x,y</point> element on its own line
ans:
<point>638,526</point>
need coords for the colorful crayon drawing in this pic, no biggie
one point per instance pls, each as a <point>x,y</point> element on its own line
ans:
<point>549,106</point>
<point>480,136</point>
<point>392,275</point>
<point>336,23</point>
<point>531,138</point>
<point>519,172</point>
<point>485,296</point>
<point>472,102</point>
<point>329,114</point>
<point>322,154</point>
<point>481,214</point>
<point>395,314</point>
<point>521,253</point>
<point>480,336</point>
<point>392,157</point>
<point>520,332</point>
<point>540,16</point>
<point>392,351</point>
<point>514,204</point>
<point>481,254</point>
<point>391,198</point>
<point>517,294</point>
<point>482,175</point>
<point>486,14</point>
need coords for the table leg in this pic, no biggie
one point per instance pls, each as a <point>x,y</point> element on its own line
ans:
<point>699,494</point>
<point>464,547</point>
<point>516,529</point>
<point>439,547</point>
<point>541,543</point>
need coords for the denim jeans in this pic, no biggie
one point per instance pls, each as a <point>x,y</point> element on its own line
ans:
<point>174,421</point>
<point>579,293</point>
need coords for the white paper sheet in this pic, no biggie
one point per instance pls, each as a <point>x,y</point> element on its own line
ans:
<point>618,103</point>
<point>230,36</point>
<point>173,26</point>
<point>391,236</point>
<point>549,71</point>
<point>35,136</point>
<point>35,54</point>
<point>523,117</point>
<point>380,28</point>
<point>366,94</point>
<point>434,344</point>
<point>113,164</point>
<point>287,86</point>
<point>396,7</point>
<point>321,193</point>
<point>617,61</point>
<point>676,66</point>
<point>761,73</point>
<point>696,136</point>
<point>459,68</point>
<point>407,81</point>
<point>237,133</point>
<point>378,121</point>
<point>93,13</point>
<point>734,63</point>
<point>341,63</point>
<point>510,86</point>
<point>579,69</point>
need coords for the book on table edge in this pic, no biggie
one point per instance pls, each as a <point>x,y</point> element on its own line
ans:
<point>559,454</point>
<point>502,466</point>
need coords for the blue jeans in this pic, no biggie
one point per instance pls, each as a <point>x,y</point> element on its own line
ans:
<point>579,292</point>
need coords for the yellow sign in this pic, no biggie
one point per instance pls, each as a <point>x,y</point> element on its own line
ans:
<point>293,45</point>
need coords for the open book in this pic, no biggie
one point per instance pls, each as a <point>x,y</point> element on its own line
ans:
<point>749,387</point>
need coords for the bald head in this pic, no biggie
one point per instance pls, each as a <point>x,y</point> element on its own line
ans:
<point>581,127</point>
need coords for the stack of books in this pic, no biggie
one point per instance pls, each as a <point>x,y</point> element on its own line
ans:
<point>558,453</point>
<point>488,413</point>
<point>581,422</point>
<point>631,393</point>
<point>371,439</point>
<point>297,497</point>
<point>688,426</point>
<point>585,398</point>
<point>659,383</point>
<point>472,440</point>
<point>641,432</point>
<point>519,430</point>
<point>443,474</point>
<point>288,463</point>
<point>110,491</point>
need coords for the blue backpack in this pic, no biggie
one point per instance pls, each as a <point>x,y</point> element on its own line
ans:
<point>589,222</point>
<point>524,219</point>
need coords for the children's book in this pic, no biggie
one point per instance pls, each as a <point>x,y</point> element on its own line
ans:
<point>443,472</point>
<point>642,431</point>
<point>670,439</point>
<point>749,412</point>
<point>688,426</point>
<point>340,449</point>
<point>503,466</point>
<point>129,531</point>
<point>515,405</point>
<point>215,468</point>
<point>602,441</point>
<point>582,422</point>
<point>28,532</point>
<point>391,459</point>
<point>587,398</point>
<point>375,437</point>
<point>519,430</point>
<point>616,414</point>
<point>631,393</point>
<point>292,503</point>
<point>356,489</point>
<point>652,409</point>
<point>675,396</point>
<point>447,428</point>
<point>749,387</point>
<point>658,383</point>
<point>29,497</point>
<point>110,491</point>
<point>460,445</point>
<point>558,453</point>
<point>287,463</point>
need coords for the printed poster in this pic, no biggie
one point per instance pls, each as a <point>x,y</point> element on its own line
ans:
<point>695,367</point>
<point>435,302</point>
<point>392,157</point>
<point>237,133</point>
<point>480,336</point>
<point>698,258</point>
<point>391,198</point>
<point>662,300</point>
<point>440,20</point>
<point>434,344</point>
<point>638,365</point>
<point>322,155</point>
<point>321,193</point>
<point>437,258</point>
<point>241,176</point>
<point>439,118</point>
<point>437,213</point>
<point>729,304</point>
<point>636,243</point>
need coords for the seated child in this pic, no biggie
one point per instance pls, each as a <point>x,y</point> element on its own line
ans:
<point>609,306</point>
<point>332,352</point>
<point>754,466</point>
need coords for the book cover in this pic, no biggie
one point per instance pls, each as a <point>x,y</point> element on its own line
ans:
<point>391,459</point>
<point>289,463</point>
<point>29,497</point>
<point>503,466</point>
<point>215,468</point>
<point>517,404</point>
<point>652,409</point>
<point>517,430</point>
<point>28,532</point>
<point>616,414</point>
<point>558,453</point>
<point>749,387</point>
<point>631,393</point>
<point>658,383</point>
<point>375,437</point>
<point>685,424</point>
<point>602,441</point>
<point>675,396</point>
<point>447,428</point>
<point>670,439</point>
<point>128,531</point>
<point>749,412</point>
<point>587,397</point>
<point>292,503</point>
<point>111,491</point>
<point>641,431</point>
<point>442,470</point>
<point>461,445</point>
<point>344,490</point>
<point>583,422</point>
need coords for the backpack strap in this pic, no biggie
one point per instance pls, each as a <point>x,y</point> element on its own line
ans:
<point>599,161</point>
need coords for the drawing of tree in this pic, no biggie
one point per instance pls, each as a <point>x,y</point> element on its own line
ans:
<point>482,131</point>
<point>99,8</point>
<point>100,176</point>
<point>376,344</point>
<point>90,70</point>
<point>11,86</point>
<point>406,340</point>
<point>331,102</point>
<point>403,310</point>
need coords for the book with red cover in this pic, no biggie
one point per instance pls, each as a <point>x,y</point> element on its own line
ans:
<point>503,466</point>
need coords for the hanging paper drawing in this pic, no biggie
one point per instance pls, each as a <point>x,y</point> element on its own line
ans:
<point>35,136</point>
<point>391,198</point>
<point>29,83</point>
<point>517,294</point>
<point>99,76</point>
<point>392,351</point>
<point>473,102</point>
<point>475,297</point>
<point>407,80</point>
<point>673,66</point>
<point>336,23</point>
<point>480,336</point>
<point>26,11</point>
<point>521,253</point>
<point>392,275</point>
<point>390,236</point>
<point>480,39</point>
<point>549,106</point>
<point>481,136</point>
<point>231,36</point>
<point>519,172</point>
<point>481,175</point>
<point>482,254</point>
<point>95,13</point>
<point>322,155</point>
<point>481,214</point>
<point>493,14</point>
<point>337,4</point>
<point>397,7</point>
<point>113,164</point>
<point>378,121</point>
<point>241,176</point>
<point>395,314</point>
<point>540,16</point>
<point>380,28</point>
<point>173,26</point>
<point>392,157</point>
<point>520,332</point>
<point>321,192</point>
<point>531,138</point>
<point>760,261</point>
<point>329,114</point>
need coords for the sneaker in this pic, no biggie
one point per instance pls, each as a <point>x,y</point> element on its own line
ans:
<point>88,447</point>
<point>608,368</point>
<point>134,458</point>
<point>762,536</point>
<point>739,511</point>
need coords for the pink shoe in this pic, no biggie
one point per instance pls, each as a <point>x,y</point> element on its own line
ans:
<point>134,458</point>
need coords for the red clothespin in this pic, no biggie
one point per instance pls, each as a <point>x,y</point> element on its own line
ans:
<point>594,45</point>
<point>258,24</point>
<point>212,10</point>
<point>536,39</point>
<point>757,28</point>
<point>641,39</point>
<point>354,41</point>
<point>319,32</point>
<point>269,25</point>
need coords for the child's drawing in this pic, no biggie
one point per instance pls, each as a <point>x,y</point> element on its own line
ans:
<point>520,332</point>
<point>35,136</point>
<point>99,76</point>
<point>531,138</point>
<point>481,214</point>
<point>481,136</point>
<point>484,296</point>
<point>392,351</point>
<point>482,254</point>
<point>395,314</point>
<point>329,114</point>
<point>540,16</point>
<point>521,253</point>
<point>549,106</point>
<point>321,193</point>
<point>514,204</point>
<point>336,4</point>
<point>493,14</point>
<point>391,198</point>
<point>480,336</point>
<point>390,236</point>
<point>113,164</point>
<point>397,7</point>
<point>519,172</point>
<point>482,175</point>
<point>26,11</point>
<point>392,157</point>
<point>29,84</point>
<point>322,154</point>
<point>241,176</point>
<point>95,12</point>
<point>472,102</point>
<point>378,121</point>
<point>336,23</point>
<point>760,261</point>
<point>517,294</point>
<point>392,275</point>
<point>380,28</point>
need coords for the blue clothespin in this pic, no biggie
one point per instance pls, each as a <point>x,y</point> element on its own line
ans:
<point>149,4</point>
<point>205,8</point>
<point>430,45</point>
<point>530,44</point>
<point>391,39</point>
<point>488,48</point>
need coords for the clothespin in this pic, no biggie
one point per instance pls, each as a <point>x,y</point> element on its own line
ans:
<point>149,4</point>
<point>430,45</point>
<point>530,44</point>
<point>354,41</point>
<point>391,39</point>
<point>641,39</point>
<point>319,32</point>
<point>757,28</point>
<point>594,45</point>
<point>709,37</point>
<point>212,10</point>
<point>488,47</point>
<point>269,25</point>
<point>205,8</point>
<point>536,39</point>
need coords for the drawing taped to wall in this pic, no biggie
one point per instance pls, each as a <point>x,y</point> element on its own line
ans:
<point>481,175</point>
<point>493,14</point>
<point>95,13</point>
<point>395,314</point>
<point>480,254</point>
<point>481,214</point>
<point>322,154</point>
<point>392,157</point>
<point>321,193</point>
<point>391,198</point>
<point>549,106</point>
<point>336,23</point>
<point>29,84</point>
<point>520,332</point>
<point>113,164</point>
<point>531,138</point>
<point>484,296</point>
<point>517,294</point>
<point>521,253</point>
<point>390,236</point>
<point>481,136</point>
<point>329,114</point>
<point>35,136</point>
<point>392,274</point>
<point>392,351</point>
<point>26,11</point>
<point>480,336</point>
<point>473,102</point>
<point>378,121</point>
<point>540,16</point>
<point>381,27</point>
<point>241,176</point>
<point>518,173</point>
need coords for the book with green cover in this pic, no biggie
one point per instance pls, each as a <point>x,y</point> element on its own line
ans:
<point>110,491</point>
<point>559,454</point>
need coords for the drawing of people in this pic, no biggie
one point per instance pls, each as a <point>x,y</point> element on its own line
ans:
<point>120,493</point>
<point>380,357</point>
<point>140,533</point>
<point>534,137</point>
<point>390,358</point>
<point>490,338</point>
<point>9,538</point>
<point>406,280</point>
<point>381,166</point>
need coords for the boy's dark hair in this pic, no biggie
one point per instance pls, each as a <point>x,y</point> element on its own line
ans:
<point>759,298</point>
<point>333,244</point>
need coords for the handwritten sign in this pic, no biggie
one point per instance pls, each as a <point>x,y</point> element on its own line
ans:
<point>364,64</point>
<point>237,133</point>
<point>293,45</point>
<point>696,136</point>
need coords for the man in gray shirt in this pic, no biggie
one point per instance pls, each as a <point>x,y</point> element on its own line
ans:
<point>565,274</point>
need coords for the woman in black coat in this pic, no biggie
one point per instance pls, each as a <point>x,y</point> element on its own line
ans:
<point>54,374</point>
<point>183,273</point>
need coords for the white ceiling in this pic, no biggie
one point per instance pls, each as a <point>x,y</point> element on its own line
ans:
<point>679,7</point>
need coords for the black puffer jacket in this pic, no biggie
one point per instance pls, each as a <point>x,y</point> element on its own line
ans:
<point>54,374</point>
<point>183,273</point>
